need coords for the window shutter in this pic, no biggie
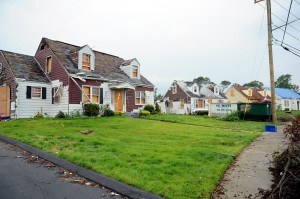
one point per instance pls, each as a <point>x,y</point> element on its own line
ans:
<point>28,92</point>
<point>52,93</point>
<point>101,95</point>
<point>44,92</point>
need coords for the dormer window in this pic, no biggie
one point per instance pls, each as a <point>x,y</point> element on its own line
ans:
<point>195,89</point>
<point>265,93</point>
<point>48,64</point>
<point>249,92</point>
<point>86,61</point>
<point>174,89</point>
<point>135,71</point>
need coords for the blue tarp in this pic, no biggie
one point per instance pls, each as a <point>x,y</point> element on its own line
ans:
<point>286,93</point>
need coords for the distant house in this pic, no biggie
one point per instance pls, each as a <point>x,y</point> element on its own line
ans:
<point>241,94</point>
<point>63,77</point>
<point>184,97</point>
<point>286,99</point>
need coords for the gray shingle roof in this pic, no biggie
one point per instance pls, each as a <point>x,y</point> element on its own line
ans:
<point>25,67</point>
<point>106,66</point>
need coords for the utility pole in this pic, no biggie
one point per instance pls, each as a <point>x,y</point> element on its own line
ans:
<point>274,115</point>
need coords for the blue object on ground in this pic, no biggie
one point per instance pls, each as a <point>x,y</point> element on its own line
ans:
<point>270,128</point>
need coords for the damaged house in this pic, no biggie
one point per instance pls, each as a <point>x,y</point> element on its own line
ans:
<point>63,77</point>
<point>184,97</point>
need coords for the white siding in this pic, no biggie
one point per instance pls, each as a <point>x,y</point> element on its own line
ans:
<point>128,69</point>
<point>89,51</point>
<point>27,108</point>
<point>149,97</point>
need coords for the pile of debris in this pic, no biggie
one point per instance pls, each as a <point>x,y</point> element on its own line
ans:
<point>286,168</point>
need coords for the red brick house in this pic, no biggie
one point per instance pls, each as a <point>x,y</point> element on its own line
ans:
<point>78,75</point>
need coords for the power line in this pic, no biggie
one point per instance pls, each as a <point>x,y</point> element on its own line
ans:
<point>287,20</point>
<point>297,2</point>
<point>289,33</point>
<point>288,49</point>
<point>284,24</point>
<point>279,19</point>
<point>285,9</point>
<point>277,41</point>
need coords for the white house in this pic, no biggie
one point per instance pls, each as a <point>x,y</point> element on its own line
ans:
<point>286,99</point>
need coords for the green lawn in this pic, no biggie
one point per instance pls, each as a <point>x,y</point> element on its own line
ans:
<point>169,159</point>
<point>247,126</point>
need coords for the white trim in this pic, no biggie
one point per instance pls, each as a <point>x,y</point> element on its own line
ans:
<point>140,97</point>
<point>41,92</point>
<point>46,65</point>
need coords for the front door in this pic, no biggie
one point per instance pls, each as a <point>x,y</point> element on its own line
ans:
<point>200,104</point>
<point>118,99</point>
<point>4,100</point>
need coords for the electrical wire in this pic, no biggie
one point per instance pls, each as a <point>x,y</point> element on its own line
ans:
<point>287,20</point>
<point>288,33</point>
<point>286,8</point>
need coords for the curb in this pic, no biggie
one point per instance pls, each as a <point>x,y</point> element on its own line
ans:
<point>124,189</point>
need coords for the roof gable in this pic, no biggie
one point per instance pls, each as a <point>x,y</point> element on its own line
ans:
<point>106,66</point>
<point>25,67</point>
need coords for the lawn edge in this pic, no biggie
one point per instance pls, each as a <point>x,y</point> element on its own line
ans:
<point>122,188</point>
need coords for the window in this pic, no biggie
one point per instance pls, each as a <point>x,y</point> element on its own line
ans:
<point>265,93</point>
<point>140,97</point>
<point>171,103</point>
<point>195,89</point>
<point>36,92</point>
<point>286,103</point>
<point>174,89</point>
<point>86,61</point>
<point>232,92</point>
<point>182,103</point>
<point>135,71</point>
<point>48,64</point>
<point>249,92</point>
<point>91,94</point>
<point>200,104</point>
<point>56,95</point>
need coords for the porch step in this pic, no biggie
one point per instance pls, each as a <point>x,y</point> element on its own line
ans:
<point>132,114</point>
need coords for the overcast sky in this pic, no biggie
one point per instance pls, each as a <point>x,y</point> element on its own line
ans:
<point>178,39</point>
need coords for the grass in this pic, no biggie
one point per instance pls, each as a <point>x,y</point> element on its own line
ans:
<point>169,159</point>
<point>247,126</point>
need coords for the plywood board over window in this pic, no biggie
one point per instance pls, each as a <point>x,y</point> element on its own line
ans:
<point>48,64</point>
<point>182,103</point>
<point>135,71</point>
<point>86,61</point>
<point>200,104</point>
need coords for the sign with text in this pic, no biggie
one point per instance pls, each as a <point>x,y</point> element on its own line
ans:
<point>221,109</point>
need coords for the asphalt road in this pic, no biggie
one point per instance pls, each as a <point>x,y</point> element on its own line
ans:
<point>20,179</point>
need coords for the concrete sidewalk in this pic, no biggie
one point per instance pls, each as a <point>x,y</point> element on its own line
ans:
<point>21,179</point>
<point>250,172</point>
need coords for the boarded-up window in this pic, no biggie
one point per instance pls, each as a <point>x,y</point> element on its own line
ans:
<point>36,92</point>
<point>92,94</point>
<point>181,103</point>
<point>265,93</point>
<point>249,92</point>
<point>86,61</point>
<point>209,100</point>
<point>135,71</point>
<point>140,97</point>
<point>48,64</point>
<point>232,92</point>
<point>56,95</point>
<point>171,103</point>
<point>286,103</point>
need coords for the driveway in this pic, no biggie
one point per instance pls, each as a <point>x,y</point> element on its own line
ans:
<point>23,175</point>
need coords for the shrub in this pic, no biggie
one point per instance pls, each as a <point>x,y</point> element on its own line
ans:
<point>38,115</point>
<point>91,110</point>
<point>108,113</point>
<point>232,117</point>
<point>60,114</point>
<point>144,113</point>
<point>202,112</point>
<point>150,108</point>
<point>119,113</point>
<point>75,114</point>
<point>285,118</point>
<point>157,108</point>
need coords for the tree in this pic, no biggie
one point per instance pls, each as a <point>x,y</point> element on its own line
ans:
<point>202,80</point>
<point>284,81</point>
<point>225,83</point>
<point>157,96</point>
<point>255,83</point>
